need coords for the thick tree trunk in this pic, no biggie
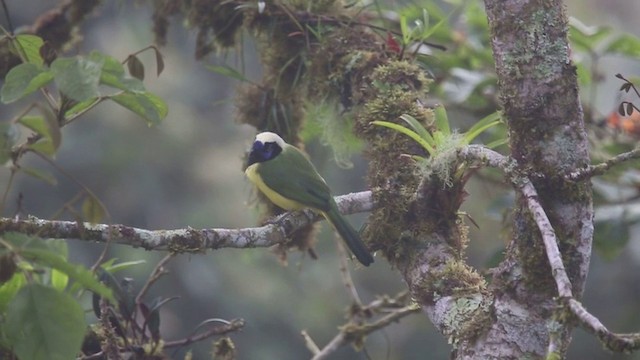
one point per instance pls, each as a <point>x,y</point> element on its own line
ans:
<point>539,93</point>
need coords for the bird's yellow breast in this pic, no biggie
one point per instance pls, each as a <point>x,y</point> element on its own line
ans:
<point>279,200</point>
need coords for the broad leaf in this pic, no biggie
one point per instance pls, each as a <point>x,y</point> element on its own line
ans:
<point>29,46</point>
<point>9,134</point>
<point>92,210</point>
<point>9,289</point>
<point>627,45</point>
<point>22,80</point>
<point>113,75</point>
<point>149,106</point>
<point>77,273</point>
<point>78,77</point>
<point>40,174</point>
<point>44,324</point>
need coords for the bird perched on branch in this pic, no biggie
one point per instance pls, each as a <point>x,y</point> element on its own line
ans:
<point>285,176</point>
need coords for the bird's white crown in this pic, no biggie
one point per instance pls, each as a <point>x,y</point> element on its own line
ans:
<point>267,137</point>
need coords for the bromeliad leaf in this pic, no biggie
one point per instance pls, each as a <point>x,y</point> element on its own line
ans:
<point>482,125</point>
<point>410,133</point>
<point>418,128</point>
<point>442,121</point>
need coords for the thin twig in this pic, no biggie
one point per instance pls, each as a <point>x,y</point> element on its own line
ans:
<point>234,325</point>
<point>614,342</point>
<point>600,169</point>
<point>309,343</point>
<point>346,274</point>
<point>156,274</point>
<point>523,184</point>
<point>351,332</point>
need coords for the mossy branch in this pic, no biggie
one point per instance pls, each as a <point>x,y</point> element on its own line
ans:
<point>183,240</point>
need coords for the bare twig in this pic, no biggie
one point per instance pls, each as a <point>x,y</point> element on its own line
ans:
<point>233,325</point>
<point>352,332</point>
<point>600,169</point>
<point>309,343</point>
<point>524,185</point>
<point>614,342</point>
<point>346,274</point>
<point>183,240</point>
<point>156,274</point>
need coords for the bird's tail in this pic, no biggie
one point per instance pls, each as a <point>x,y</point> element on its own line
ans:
<point>349,235</point>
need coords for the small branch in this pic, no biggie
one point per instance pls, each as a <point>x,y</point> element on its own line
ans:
<point>600,169</point>
<point>351,332</point>
<point>233,325</point>
<point>183,240</point>
<point>615,342</point>
<point>524,185</point>
<point>156,274</point>
<point>309,343</point>
<point>346,274</point>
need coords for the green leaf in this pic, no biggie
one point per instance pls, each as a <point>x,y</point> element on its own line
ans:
<point>40,174</point>
<point>113,75</point>
<point>136,67</point>
<point>78,77</point>
<point>496,143</point>
<point>22,80</point>
<point>442,121</point>
<point>48,128</point>
<point>45,324</point>
<point>227,71</point>
<point>44,146</point>
<point>404,30</point>
<point>418,128</point>
<point>626,45</point>
<point>29,46</point>
<point>9,289</point>
<point>9,134</point>
<point>36,123</point>
<point>482,125</point>
<point>59,280</point>
<point>80,107</point>
<point>431,30</point>
<point>92,210</point>
<point>403,130</point>
<point>585,37</point>
<point>113,268</point>
<point>149,106</point>
<point>159,60</point>
<point>610,237</point>
<point>77,273</point>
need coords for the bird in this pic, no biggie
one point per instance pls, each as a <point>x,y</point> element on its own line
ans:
<point>289,180</point>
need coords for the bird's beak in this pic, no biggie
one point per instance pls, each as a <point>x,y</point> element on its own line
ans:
<point>253,154</point>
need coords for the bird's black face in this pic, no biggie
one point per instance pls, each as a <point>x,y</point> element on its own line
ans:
<point>261,152</point>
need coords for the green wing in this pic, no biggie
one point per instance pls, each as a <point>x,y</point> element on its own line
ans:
<point>293,176</point>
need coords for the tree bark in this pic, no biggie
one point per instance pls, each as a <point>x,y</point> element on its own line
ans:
<point>539,94</point>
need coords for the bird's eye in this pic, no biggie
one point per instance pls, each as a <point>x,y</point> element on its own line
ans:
<point>268,150</point>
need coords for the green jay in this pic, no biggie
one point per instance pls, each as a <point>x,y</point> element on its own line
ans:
<point>285,176</point>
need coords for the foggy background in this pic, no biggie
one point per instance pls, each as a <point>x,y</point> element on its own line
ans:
<point>187,171</point>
